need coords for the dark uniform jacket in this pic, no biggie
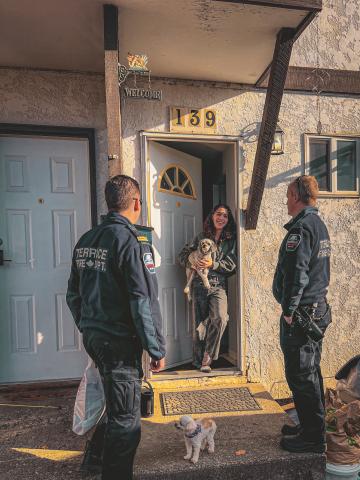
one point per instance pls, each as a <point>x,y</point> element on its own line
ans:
<point>303,271</point>
<point>224,259</point>
<point>113,287</point>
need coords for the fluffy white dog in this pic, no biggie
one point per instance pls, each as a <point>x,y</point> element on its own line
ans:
<point>197,434</point>
<point>205,248</point>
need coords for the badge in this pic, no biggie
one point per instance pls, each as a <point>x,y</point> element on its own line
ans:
<point>292,242</point>
<point>149,262</point>
<point>142,238</point>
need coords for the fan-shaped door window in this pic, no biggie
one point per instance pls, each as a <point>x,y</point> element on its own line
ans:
<point>177,181</point>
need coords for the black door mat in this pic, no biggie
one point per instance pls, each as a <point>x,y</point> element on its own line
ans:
<point>208,401</point>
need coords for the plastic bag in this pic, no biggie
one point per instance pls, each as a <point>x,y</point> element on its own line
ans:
<point>90,400</point>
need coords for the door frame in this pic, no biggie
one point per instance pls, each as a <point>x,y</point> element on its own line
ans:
<point>13,129</point>
<point>237,142</point>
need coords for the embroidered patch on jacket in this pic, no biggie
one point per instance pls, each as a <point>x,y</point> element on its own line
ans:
<point>325,248</point>
<point>142,238</point>
<point>292,242</point>
<point>149,262</point>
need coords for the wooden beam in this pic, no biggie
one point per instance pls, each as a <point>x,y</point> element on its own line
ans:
<point>279,68</point>
<point>303,79</point>
<point>112,91</point>
<point>310,5</point>
<point>298,31</point>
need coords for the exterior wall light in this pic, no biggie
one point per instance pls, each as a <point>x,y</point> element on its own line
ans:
<point>278,144</point>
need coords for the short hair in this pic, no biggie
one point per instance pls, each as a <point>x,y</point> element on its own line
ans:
<point>120,191</point>
<point>307,188</point>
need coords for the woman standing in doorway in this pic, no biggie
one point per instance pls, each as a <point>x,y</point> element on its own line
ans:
<point>211,306</point>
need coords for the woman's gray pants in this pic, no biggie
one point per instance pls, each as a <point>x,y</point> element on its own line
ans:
<point>211,308</point>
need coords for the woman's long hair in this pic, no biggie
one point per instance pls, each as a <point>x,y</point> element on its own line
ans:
<point>229,231</point>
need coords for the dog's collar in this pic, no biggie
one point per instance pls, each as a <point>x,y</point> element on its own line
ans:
<point>195,432</point>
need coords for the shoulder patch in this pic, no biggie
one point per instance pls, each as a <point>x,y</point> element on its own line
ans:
<point>149,262</point>
<point>292,242</point>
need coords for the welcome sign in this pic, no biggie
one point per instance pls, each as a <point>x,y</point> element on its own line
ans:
<point>145,93</point>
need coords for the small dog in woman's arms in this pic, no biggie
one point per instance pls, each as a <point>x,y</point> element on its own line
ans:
<point>198,435</point>
<point>204,251</point>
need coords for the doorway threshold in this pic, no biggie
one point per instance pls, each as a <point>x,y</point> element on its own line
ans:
<point>194,374</point>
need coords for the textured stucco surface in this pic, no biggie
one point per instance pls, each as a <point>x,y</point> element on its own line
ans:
<point>333,38</point>
<point>239,113</point>
<point>57,99</point>
<point>78,100</point>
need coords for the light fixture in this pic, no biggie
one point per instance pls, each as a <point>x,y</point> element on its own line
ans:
<point>278,143</point>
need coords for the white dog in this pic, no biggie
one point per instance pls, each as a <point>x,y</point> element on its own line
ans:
<point>197,434</point>
<point>205,248</point>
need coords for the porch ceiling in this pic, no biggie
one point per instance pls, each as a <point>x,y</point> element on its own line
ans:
<point>212,40</point>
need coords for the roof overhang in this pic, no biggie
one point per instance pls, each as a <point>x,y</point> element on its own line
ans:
<point>214,40</point>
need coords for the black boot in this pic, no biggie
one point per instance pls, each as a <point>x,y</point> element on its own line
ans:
<point>92,461</point>
<point>291,429</point>
<point>298,444</point>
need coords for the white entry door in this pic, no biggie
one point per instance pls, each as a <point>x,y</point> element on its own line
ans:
<point>176,216</point>
<point>44,208</point>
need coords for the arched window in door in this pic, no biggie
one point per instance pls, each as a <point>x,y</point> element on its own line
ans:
<point>175,180</point>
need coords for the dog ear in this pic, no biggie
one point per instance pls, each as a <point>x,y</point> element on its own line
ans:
<point>213,247</point>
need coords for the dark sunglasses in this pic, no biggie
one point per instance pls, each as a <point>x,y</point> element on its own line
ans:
<point>299,184</point>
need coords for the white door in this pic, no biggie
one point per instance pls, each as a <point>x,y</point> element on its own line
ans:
<point>176,216</point>
<point>44,208</point>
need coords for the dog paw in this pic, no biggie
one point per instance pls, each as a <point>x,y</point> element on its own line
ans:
<point>187,457</point>
<point>211,450</point>
<point>194,460</point>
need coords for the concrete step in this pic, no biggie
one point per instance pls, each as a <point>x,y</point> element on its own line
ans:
<point>160,455</point>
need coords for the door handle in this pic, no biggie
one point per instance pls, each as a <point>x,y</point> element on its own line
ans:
<point>2,259</point>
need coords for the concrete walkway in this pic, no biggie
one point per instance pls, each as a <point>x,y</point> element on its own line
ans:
<point>162,448</point>
<point>36,441</point>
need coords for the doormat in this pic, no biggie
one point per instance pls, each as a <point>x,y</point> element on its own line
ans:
<point>208,401</point>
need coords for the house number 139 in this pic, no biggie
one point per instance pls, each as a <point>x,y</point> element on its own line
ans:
<point>193,120</point>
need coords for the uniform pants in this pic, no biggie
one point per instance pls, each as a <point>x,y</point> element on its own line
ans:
<point>302,358</point>
<point>119,363</point>
<point>210,306</point>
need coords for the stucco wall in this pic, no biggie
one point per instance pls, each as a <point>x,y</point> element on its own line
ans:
<point>58,99</point>
<point>78,100</point>
<point>334,35</point>
<point>239,114</point>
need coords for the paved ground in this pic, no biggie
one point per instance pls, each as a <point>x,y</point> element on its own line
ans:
<point>42,422</point>
<point>37,442</point>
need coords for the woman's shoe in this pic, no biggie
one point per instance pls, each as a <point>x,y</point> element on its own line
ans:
<point>205,365</point>
<point>205,369</point>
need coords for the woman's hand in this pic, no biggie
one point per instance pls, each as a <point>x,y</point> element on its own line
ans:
<point>204,263</point>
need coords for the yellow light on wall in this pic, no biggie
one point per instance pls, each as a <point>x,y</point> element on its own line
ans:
<point>278,144</point>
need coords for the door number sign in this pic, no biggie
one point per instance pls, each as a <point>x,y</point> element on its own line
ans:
<point>193,120</point>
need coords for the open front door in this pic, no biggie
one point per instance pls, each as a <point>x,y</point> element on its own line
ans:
<point>176,216</point>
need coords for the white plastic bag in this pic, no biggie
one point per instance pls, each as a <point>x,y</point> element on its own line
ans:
<point>90,400</point>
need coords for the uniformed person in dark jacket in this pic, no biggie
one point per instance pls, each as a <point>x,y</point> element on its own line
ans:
<point>301,282</point>
<point>112,294</point>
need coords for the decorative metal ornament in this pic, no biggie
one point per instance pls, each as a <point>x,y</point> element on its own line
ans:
<point>123,73</point>
<point>137,66</point>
